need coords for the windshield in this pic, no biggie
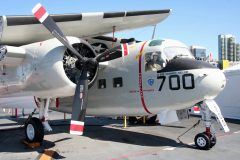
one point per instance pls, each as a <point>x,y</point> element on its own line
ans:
<point>156,42</point>
<point>175,52</point>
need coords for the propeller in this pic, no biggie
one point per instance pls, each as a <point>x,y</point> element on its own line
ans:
<point>81,93</point>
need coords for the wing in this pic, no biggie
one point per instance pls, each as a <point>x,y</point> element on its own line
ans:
<point>20,30</point>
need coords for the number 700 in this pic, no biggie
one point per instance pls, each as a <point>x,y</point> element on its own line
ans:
<point>187,81</point>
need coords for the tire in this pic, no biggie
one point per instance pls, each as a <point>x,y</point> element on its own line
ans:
<point>202,141</point>
<point>34,131</point>
<point>213,140</point>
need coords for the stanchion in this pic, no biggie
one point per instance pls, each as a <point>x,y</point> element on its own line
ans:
<point>64,116</point>
<point>144,120</point>
<point>16,112</point>
<point>125,121</point>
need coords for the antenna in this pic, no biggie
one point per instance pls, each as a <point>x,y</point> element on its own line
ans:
<point>154,29</point>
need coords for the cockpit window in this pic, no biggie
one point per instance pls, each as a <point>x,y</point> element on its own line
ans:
<point>155,43</point>
<point>175,52</point>
<point>154,61</point>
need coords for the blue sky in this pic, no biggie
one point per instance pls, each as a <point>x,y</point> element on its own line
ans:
<point>192,21</point>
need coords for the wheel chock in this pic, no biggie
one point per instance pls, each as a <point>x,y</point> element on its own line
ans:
<point>31,145</point>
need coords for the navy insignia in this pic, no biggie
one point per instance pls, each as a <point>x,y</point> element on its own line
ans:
<point>150,82</point>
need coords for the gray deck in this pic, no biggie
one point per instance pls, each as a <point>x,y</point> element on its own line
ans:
<point>106,138</point>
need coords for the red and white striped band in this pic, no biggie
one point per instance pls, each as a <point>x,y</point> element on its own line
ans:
<point>76,127</point>
<point>39,12</point>
<point>125,50</point>
<point>196,109</point>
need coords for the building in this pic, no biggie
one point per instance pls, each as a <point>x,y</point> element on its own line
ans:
<point>227,48</point>
<point>237,46</point>
<point>198,52</point>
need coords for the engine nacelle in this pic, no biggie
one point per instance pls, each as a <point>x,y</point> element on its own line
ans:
<point>57,69</point>
<point>46,69</point>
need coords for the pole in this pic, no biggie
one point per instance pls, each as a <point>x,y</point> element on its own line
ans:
<point>125,121</point>
<point>16,112</point>
<point>64,116</point>
<point>144,120</point>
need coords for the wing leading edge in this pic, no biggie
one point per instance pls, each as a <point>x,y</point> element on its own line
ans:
<point>20,30</point>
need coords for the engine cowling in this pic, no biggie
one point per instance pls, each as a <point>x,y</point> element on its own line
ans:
<point>71,67</point>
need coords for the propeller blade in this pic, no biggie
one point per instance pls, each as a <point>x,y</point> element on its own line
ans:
<point>79,105</point>
<point>42,16</point>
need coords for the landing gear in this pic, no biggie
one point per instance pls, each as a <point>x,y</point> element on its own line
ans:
<point>34,131</point>
<point>202,141</point>
<point>34,127</point>
<point>43,105</point>
<point>207,139</point>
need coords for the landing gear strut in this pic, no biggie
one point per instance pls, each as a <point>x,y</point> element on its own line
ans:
<point>207,139</point>
<point>34,127</point>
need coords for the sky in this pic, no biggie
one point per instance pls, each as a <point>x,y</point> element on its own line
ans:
<point>194,22</point>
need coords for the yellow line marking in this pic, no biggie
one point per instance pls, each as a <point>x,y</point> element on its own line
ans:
<point>47,155</point>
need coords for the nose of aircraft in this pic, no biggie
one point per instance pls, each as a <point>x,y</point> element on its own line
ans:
<point>212,82</point>
<point>209,80</point>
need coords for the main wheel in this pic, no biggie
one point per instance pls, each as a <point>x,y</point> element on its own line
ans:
<point>202,141</point>
<point>34,131</point>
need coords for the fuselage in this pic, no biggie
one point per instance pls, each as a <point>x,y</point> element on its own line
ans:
<point>182,83</point>
<point>127,86</point>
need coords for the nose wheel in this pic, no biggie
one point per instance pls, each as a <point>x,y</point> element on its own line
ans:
<point>207,139</point>
<point>204,142</point>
